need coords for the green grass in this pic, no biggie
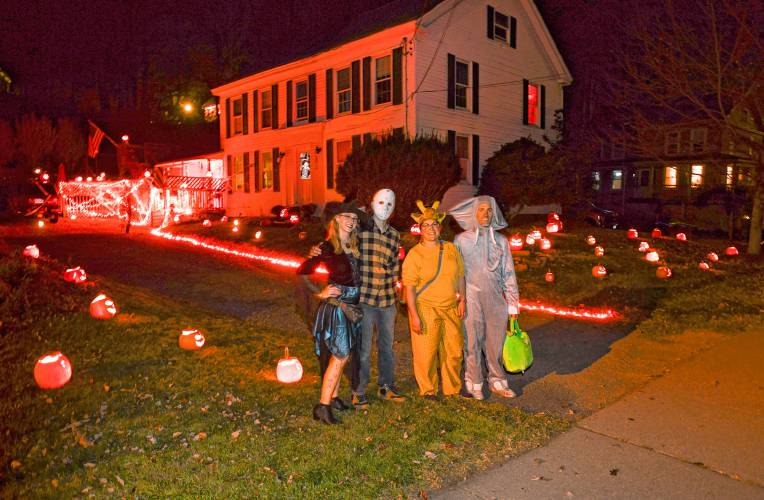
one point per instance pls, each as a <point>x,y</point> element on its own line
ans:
<point>131,420</point>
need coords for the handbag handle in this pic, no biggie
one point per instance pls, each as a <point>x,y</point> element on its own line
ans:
<point>514,327</point>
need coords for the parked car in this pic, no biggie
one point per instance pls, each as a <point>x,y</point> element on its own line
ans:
<point>602,217</point>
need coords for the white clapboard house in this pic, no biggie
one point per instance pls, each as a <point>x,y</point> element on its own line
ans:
<point>478,74</point>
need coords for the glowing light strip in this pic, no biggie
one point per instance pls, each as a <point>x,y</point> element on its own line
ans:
<point>216,247</point>
<point>589,314</point>
<point>110,199</point>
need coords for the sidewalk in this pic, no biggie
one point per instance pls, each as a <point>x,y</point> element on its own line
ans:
<point>697,432</point>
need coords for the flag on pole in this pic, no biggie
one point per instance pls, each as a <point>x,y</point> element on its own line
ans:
<point>95,136</point>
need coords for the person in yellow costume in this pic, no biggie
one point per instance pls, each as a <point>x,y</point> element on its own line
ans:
<point>433,277</point>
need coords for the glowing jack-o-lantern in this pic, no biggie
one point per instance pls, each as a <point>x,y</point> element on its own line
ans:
<point>549,277</point>
<point>681,236</point>
<point>663,272</point>
<point>236,222</point>
<point>552,227</point>
<point>591,240</point>
<point>288,370</point>
<point>652,256</point>
<point>712,257</point>
<point>656,233</point>
<point>599,271</point>
<point>102,307</point>
<point>235,229</point>
<point>224,218</point>
<point>644,246</point>
<point>545,244</point>
<point>32,251</point>
<point>52,371</point>
<point>704,266</point>
<point>552,217</point>
<point>731,251</point>
<point>536,234</point>
<point>530,240</point>
<point>258,235</point>
<point>191,340</point>
<point>599,251</point>
<point>516,242</point>
<point>632,234</point>
<point>40,223</point>
<point>75,275</point>
<point>415,230</point>
<point>302,235</point>
<point>206,223</point>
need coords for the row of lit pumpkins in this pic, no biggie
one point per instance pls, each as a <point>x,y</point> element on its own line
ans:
<point>54,370</point>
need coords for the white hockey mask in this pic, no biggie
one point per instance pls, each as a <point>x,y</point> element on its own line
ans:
<point>383,204</point>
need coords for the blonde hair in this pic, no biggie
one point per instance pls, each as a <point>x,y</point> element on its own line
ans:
<point>333,237</point>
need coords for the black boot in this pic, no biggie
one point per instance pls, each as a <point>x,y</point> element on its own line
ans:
<point>338,404</point>
<point>324,414</point>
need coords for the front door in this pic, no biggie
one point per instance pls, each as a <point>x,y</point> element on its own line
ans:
<point>304,171</point>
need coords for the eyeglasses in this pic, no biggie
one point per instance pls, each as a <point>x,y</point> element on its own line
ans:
<point>433,225</point>
<point>351,217</point>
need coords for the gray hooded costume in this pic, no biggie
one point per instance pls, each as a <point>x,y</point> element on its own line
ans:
<point>492,291</point>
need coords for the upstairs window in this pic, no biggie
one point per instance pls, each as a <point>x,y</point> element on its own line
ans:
<point>266,160</point>
<point>500,26</point>
<point>698,139</point>
<point>383,80</point>
<point>596,180</point>
<point>534,101</point>
<point>237,117</point>
<point>670,177</point>
<point>301,101</point>
<point>344,92</point>
<point>266,113</point>
<point>696,176</point>
<point>616,180</point>
<point>461,80</point>
<point>672,142</point>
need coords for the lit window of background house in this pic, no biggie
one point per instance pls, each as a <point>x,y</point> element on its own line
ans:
<point>696,176</point>
<point>534,117</point>
<point>730,178</point>
<point>344,93</point>
<point>616,180</point>
<point>383,80</point>
<point>670,177</point>
<point>301,101</point>
<point>266,105</point>
<point>238,120</point>
<point>266,159</point>
<point>461,80</point>
<point>596,180</point>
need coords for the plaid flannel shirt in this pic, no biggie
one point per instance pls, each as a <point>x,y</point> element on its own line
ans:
<point>379,265</point>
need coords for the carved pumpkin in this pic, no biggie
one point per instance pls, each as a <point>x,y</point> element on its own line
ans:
<point>545,244</point>
<point>536,234</point>
<point>415,230</point>
<point>302,235</point>
<point>288,370</point>
<point>235,229</point>
<point>704,266</point>
<point>41,223</point>
<point>552,217</point>
<point>663,272</point>
<point>102,307</point>
<point>516,242</point>
<point>681,236</point>
<point>530,240</point>
<point>552,227</point>
<point>712,257</point>
<point>731,251</point>
<point>644,246</point>
<point>75,275</point>
<point>236,222</point>
<point>591,240</point>
<point>258,235</point>
<point>224,218</point>
<point>53,370</point>
<point>599,271</point>
<point>191,340</point>
<point>652,256</point>
<point>32,251</point>
<point>632,234</point>
<point>656,233</point>
<point>549,277</point>
<point>206,223</point>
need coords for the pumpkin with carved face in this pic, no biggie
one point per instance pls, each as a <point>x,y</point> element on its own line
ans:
<point>681,236</point>
<point>599,271</point>
<point>516,242</point>
<point>599,251</point>
<point>102,307</point>
<point>663,272</point>
<point>549,277</point>
<point>32,251</point>
<point>191,339</point>
<point>545,244</point>
<point>632,234</point>
<point>591,240</point>
<point>552,227</point>
<point>656,233</point>
<point>75,275</point>
<point>53,370</point>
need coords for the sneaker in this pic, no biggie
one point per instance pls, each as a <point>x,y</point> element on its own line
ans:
<point>360,402</point>
<point>388,393</point>
<point>476,390</point>
<point>502,390</point>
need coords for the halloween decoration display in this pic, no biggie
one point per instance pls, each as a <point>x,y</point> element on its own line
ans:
<point>102,307</point>
<point>663,272</point>
<point>53,370</point>
<point>31,251</point>
<point>75,275</point>
<point>530,240</point>
<point>552,227</point>
<point>599,271</point>
<point>545,244</point>
<point>288,369</point>
<point>191,340</point>
<point>536,234</point>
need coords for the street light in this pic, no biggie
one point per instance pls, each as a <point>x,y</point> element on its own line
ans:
<point>187,107</point>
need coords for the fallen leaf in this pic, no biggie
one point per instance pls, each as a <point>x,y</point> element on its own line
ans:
<point>176,434</point>
<point>235,434</point>
<point>54,483</point>
<point>102,480</point>
<point>201,436</point>
<point>430,455</point>
<point>83,441</point>
<point>405,435</point>
<point>151,439</point>
<point>568,494</point>
<point>89,465</point>
<point>106,388</point>
<point>120,480</point>
<point>368,439</point>
<point>15,464</point>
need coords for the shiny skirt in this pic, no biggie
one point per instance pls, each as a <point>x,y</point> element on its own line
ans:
<point>332,329</point>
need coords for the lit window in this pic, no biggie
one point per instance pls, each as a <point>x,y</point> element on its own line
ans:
<point>672,142</point>
<point>301,101</point>
<point>343,151</point>
<point>461,80</point>
<point>698,139</point>
<point>616,180</point>
<point>534,117</point>
<point>596,180</point>
<point>696,177</point>
<point>238,173</point>
<point>462,153</point>
<point>238,119</point>
<point>670,177</point>
<point>344,92</point>
<point>500,26</point>
<point>266,159</point>
<point>744,176</point>
<point>266,105</point>
<point>730,179</point>
<point>383,80</point>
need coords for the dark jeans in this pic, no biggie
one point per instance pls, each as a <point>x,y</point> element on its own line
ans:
<point>384,320</point>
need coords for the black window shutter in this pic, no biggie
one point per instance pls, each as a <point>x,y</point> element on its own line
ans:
<point>256,161</point>
<point>228,117</point>
<point>366,83</point>
<point>475,159</point>
<point>355,87</point>
<point>329,95</point>
<point>398,75</point>
<point>312,97</point>
<point>247,166</point>
<point>276,170</point>
<point>513,32</point>
<point>542,106</point>
<point>525,102</point>
<point>490,30</point>
<point>475,88</point>
<point>451,83</point>
<point>330,163</point>
<point>229,166</point>
<point>452,141</point>
<point>275,107</point>
<point>245,113</point>
<point>255,116</point>
<point>367,138</point>
<point>289,103</point>
<point>356,142</point>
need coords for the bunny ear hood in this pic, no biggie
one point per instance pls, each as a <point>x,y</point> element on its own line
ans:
<point>465,213</point>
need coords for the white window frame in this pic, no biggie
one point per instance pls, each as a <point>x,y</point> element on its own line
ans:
<point>348,92</point>
<point>537,122</point>
<point>237,119</point>
<point>458,85</point>
<point>264,109</point>
<point>497,27</point>
<point>616,180</point>
<point>673,138</point>
<point>464,161</point>
<point>384,80</point>
<point>671,180</point>
<point>698,138</point>
<point>266,174</point>
<point>237,170</point>
<point>301,100</point>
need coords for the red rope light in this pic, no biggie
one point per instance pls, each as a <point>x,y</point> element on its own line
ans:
<point>593,314</point>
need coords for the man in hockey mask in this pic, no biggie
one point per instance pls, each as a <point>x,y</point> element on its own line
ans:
<point>492,293</point>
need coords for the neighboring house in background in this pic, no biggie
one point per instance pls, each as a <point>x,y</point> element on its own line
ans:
<point>195,185</point>
<point>477,74</point>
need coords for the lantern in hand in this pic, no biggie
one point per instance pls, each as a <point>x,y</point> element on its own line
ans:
<point>288,370</point>
<point>591,240</point>
<point>656,233</point>
<point>102,307</point>
<point>52,371</point>
<point>75,275</point>
<point>599,271</point>
<point>632,234</point>
<point>32,251</point>
<point>663,272</point>
<point>516,242</point>
<point>191,340</point>
<point>731,251</point>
